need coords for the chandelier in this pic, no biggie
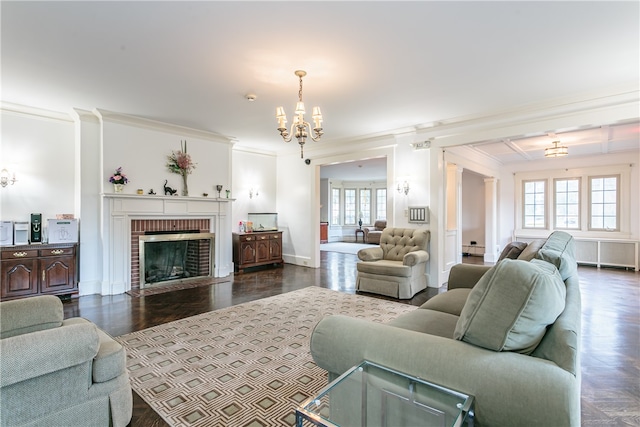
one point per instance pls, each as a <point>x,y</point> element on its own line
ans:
<point>299,126</point>
<point>556,151</point>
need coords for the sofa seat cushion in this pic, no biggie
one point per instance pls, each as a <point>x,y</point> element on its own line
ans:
<point>450,302</point>
<point>385,267</point>
<point>426,321</point>
<point>511,306</point>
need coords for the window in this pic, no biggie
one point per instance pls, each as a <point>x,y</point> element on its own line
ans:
<point>350,206</point>
<point>567,203</point>
<point>534,204</point>
<point>603,203</point>
<point>365,205</point>
<point>381,203</point>
<point>335,206</point>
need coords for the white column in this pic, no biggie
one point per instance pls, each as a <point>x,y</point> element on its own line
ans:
<point>492,249</point>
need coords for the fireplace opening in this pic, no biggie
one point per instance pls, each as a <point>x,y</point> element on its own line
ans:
<point>175,257</point>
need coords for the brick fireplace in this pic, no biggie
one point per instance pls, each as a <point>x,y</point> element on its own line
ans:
<point>129,216</point>
<point>141,227</point>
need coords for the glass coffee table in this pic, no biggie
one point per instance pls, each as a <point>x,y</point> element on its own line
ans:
<point>373,395</point>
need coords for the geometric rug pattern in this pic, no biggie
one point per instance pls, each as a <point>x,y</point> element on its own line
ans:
<point>245,365</point>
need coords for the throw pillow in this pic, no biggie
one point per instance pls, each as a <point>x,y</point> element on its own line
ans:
<point>511,306</point>
<point>532,249</point>
<point>512,250</point>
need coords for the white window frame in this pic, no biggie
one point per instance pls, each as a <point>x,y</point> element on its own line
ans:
<point>591,203</point>
<point>566,204</point>
<point>536,207</point>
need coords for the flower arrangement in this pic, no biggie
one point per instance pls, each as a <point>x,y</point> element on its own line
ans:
<point>180,162</point>
<point>119,177</point>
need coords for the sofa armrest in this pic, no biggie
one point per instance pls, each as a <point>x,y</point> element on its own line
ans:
<point>415,258</point>
<point>31,355</point>
<point>538,391</point>
<point>29,315</point>
<point>370,254</point>
<point>111,359</point>
<point>465,275</point>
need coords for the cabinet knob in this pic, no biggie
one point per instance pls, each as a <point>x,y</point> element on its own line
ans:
<point>248,239</point>
<point>19,254</point>
<point>57,251</point>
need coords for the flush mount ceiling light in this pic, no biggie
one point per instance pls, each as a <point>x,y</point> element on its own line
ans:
<point>556,151</point>
<point>299,126</point>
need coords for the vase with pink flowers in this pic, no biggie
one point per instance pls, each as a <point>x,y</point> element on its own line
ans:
<point>180,162</point>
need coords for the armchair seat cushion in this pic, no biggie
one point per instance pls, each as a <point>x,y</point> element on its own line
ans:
<point>385,267</point>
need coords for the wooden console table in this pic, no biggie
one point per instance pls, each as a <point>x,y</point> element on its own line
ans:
<point>47,269</point>
<point>256,249</point>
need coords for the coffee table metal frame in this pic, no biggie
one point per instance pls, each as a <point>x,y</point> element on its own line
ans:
<point>465,407</point>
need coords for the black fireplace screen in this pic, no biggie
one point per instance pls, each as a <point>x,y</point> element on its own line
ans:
<point>169,257</point>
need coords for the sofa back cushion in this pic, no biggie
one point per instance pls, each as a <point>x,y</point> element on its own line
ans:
<point>511,306</point>
<point>560,250</point>
<point>23,316</point>
<point>397,242</point>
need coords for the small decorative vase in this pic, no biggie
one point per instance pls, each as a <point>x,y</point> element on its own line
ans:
<point>118,188</point>
<point>185,186</point>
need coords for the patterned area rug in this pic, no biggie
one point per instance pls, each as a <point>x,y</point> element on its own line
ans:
<point>246,365</point>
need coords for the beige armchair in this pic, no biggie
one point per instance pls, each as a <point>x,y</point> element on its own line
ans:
<point>56,372</point>
<point>372,234</point>
<point>397,268</point>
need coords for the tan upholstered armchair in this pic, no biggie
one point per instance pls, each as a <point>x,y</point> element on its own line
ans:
<point>56,372</point>
<point>397,268</point>
<point>372,234</point>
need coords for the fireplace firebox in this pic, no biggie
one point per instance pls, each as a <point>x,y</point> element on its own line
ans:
<point>167,257</point>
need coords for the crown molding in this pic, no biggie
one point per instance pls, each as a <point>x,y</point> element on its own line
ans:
<point>126,119</point>
<point>24,110</point>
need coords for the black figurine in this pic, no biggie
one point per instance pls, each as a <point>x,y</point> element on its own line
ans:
<point>168,191</point>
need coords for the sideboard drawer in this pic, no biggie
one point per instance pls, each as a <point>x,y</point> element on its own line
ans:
<point>19,253</point>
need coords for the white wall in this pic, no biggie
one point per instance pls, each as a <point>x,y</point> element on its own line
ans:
<point>39,146</point>
<point>257,171</point>
<point>141,148</point>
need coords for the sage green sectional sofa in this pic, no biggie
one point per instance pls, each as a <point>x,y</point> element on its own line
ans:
<point>508,335</point>
<point>56,372</point>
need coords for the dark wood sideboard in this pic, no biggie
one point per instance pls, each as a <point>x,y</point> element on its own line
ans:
<point>256,249</point>
<point>47,269</point>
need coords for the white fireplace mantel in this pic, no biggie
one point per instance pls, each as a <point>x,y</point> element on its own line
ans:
<point>118,211</point>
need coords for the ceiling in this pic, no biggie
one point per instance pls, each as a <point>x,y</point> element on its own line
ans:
<point>373,67</point>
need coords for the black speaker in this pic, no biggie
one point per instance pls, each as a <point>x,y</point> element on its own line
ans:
<point>36,228</point>
<point>307,161</point>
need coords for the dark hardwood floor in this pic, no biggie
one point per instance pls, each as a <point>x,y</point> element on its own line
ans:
<point>610,327</point>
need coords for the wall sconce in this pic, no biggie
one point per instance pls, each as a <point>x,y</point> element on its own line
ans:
<point>403,188</point>
<point>253,192</point>
<point>5,178</point>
